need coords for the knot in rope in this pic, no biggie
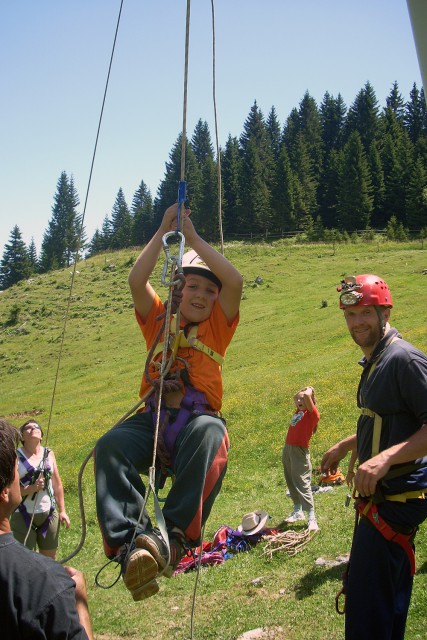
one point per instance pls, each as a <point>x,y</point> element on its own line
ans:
<point>176,296</point>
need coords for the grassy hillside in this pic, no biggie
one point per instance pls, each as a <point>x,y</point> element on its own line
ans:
<point>291,334</point>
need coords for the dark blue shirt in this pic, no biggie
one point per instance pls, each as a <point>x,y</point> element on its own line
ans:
<point>37,596</point>
<point>396,389</point>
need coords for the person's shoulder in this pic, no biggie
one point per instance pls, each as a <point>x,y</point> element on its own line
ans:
<point>406,349</point>
<point>40,568</point>
<point>218,316</point>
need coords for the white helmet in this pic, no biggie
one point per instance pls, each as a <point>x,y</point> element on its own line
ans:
<point>193,263</point>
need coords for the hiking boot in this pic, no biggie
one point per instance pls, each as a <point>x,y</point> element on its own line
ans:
<point>296,516</point>
<point>312,525</point>
<point>139,574</point>
<point>152,541</point>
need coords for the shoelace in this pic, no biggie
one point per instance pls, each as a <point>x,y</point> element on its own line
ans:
<point>120,560</point>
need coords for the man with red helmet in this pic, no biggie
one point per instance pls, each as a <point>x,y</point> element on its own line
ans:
<point>391,479</point>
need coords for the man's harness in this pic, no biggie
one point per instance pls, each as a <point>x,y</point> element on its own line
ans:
<point>367,509</point>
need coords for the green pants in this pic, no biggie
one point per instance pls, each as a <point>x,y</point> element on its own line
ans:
<point>297,468</point>
<point>126,451</point>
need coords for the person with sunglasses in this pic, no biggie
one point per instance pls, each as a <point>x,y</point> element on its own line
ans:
<point>37,520</point>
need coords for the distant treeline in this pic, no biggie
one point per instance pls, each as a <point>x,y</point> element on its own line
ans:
<point>327,172</point>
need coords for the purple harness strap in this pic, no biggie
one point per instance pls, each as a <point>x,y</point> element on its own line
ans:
<point>194,402</point>
<point>172,422</point>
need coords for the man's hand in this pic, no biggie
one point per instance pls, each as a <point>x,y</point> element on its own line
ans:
<point>369,473</point>
<point>335,454</point>
<point>331,459</point>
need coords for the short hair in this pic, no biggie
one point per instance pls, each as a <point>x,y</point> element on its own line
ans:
<point>8,443</point>
<point>21,429</point>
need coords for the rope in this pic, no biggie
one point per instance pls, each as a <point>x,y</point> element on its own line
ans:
<point>289,541</point>
<point>218,151</point>
<point>193,603</point>
<point>76,255</point>
<point>165,364</point>
<point>184,110</point>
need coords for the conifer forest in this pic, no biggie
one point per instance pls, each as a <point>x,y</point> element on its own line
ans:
<point>329,169</point>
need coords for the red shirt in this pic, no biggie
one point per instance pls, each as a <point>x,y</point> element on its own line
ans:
<point>302,427</point>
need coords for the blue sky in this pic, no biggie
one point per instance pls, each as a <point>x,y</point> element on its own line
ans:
<point>54,58</point>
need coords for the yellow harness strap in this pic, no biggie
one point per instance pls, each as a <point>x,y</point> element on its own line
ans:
<point>408,495</point>
<point>376,432</point>
<point>179,340</point>
<point>376,435</point>
<point>378,421</point>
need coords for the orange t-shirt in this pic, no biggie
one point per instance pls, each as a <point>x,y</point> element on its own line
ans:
<point>204,373</point>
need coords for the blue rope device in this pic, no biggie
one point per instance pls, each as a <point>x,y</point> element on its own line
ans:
<point>182,194</point>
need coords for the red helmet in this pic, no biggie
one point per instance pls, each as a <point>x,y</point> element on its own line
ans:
<point>364,290</point>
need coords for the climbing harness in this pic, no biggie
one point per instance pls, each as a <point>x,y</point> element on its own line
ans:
<point>186,338</point>
<point>366,508</point>
<point>364,411</point>
<point>33,473</point>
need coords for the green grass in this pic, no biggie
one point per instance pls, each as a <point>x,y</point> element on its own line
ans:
<point>291,334</point>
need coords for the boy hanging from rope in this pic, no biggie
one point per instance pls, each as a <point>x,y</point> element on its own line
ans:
<point>192,440</point>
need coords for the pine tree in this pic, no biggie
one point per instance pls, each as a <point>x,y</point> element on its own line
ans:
<point>204,203</point>
<point>311,129</point>
<point>396,103</point>
<point>291,130</point>
<point>415,114</point>
<point>284,194</point>
<point>306,183</point>
<point>230,169</point>
<point>355,189</point>
<point>106,233</point>
<point>378,186</point>
<point>15,264</point>
<point>32,255</point>
<point>63,235</point>
<point>201,142</point>
<point>167,192</point>
<point>207,204</point>
<point>397,158</point>
<point>96,245</point>
<point>327,192</point>
<point>258,192</point>
<point>121,223</point>
<point>416,199</point>
<point>363,117</point>
<point>392,201</point>
<point>274,132</point>
<point>332,117</point>
<point>257,173</point>
<point>142,215</point>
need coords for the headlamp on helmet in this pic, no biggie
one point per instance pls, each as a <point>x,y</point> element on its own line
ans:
<point>364,290</point>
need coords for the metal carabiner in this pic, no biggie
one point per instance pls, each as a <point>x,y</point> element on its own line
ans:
<point>171,260</point>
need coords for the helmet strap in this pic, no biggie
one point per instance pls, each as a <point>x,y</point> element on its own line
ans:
<point>383,322</point>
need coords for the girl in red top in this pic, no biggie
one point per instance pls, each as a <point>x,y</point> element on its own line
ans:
<point>296,457</point>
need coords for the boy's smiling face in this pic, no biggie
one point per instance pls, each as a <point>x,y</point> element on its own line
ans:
<point>198,297</point>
